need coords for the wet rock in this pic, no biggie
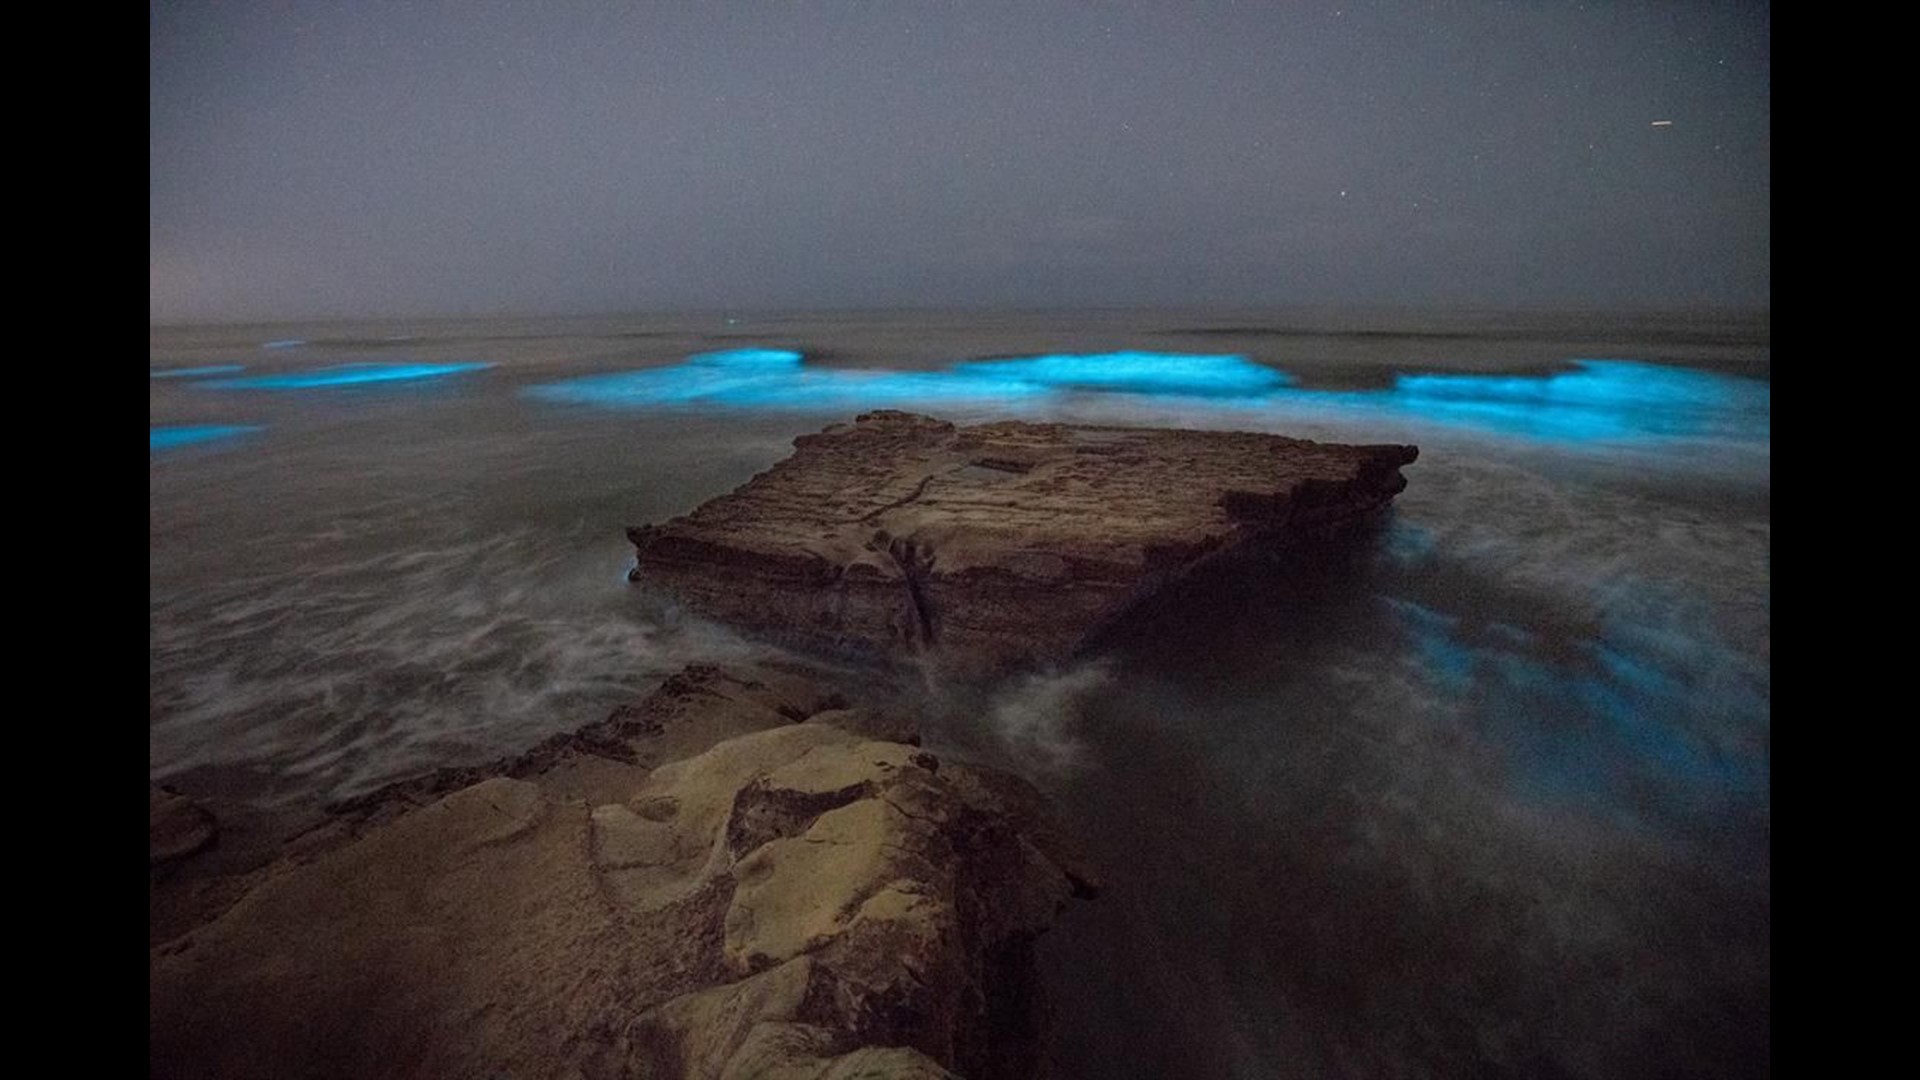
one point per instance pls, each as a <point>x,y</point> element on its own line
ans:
<point>999,545</point>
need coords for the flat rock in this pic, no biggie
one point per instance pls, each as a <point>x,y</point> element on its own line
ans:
<point>998,545</point>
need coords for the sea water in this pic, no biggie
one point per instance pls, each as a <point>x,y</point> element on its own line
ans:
<point>1490,795</point>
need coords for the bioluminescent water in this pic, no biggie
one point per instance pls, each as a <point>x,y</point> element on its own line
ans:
<point>1602,399</point>
<point>196,372</point>
<point>774,379</point>
<point>1488,795</point>
<point>1607,718</point>
<point>167,438</point>
<point>1130,373</point>
<point>1596,400</point>
<point>355,374</point>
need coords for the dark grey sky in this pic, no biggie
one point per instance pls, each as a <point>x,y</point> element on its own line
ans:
<point>341,158</point>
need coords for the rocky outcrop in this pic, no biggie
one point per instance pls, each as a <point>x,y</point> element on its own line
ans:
<point>996,545</point>
<point>693,709</point>
<point>792,899</point>
<point>851,894</point>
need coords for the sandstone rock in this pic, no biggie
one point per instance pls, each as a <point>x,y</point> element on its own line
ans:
<point>1000,544</point>
<point>698,706</point>
<point>868,895</point>
<point>793,901</point>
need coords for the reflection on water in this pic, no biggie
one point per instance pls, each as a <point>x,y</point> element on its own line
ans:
<point>1389,815</point>
<point>1619,718</point>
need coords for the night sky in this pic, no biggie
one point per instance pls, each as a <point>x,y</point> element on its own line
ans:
<point>354,159</point>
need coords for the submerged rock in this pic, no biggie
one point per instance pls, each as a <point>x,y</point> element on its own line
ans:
<point>1000,544</point>
<point>784,898</point>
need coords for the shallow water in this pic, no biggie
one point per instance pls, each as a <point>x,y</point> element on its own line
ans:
<point>1490,796</point>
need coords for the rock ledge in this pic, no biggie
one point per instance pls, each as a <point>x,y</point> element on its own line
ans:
<point>998,545</point>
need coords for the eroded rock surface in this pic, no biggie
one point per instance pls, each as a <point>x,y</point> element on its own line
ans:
<point>787,899</point>
<point>999,544</point>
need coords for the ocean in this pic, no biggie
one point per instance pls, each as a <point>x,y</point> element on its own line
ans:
<point>1487,795</point>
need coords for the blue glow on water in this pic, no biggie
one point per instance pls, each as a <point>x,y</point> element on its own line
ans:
<point>1408,544</point>
<point>1601,400</point>
<point>775,379</point>
<point>1597,401</point>
<point>1432,636</point>
<point>167,438</point>
<point>284,343</point>
<point>195,372</point>
<point>1177,374</point>
<point>345,375</point>
<point>1627,711</point>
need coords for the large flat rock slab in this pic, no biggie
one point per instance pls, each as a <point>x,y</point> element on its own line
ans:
<point>997,545</point>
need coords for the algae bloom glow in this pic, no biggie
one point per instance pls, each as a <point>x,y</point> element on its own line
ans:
<point>345,375</point>
<point>168,438</point>
<point>1599,400</point>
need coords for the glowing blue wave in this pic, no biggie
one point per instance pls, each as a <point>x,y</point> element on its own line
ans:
<point>1623,708</point>
<point>167,438</point>
<point>1174,374</point>
<point>345,375</point>
<point>1597,400</point>
<point>195,372</point>
<point>778,378</point>
<point>1603,399</point>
